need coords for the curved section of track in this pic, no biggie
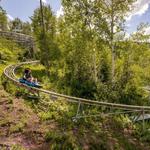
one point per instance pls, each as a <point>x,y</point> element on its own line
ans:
<point>20,38</point>
<point>9,72</point>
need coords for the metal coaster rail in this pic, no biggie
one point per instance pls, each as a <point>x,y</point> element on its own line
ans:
<point>9,72</point>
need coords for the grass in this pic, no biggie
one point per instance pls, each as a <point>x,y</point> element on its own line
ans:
<point>17,147</point>
<point>17,127</point>
<point>61,141</point>
<point>4,122</point>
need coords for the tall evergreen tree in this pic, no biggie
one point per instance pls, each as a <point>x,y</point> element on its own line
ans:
<point>16,25</point>
<point>44,31</point>
<point>26,28</point>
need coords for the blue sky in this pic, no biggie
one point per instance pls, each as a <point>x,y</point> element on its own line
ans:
<point>24,9</point>
<point>140,13</point>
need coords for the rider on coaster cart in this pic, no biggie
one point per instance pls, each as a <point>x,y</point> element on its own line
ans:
<point>28,79</point>
<point>28,76</point>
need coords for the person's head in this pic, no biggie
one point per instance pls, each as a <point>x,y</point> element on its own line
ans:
<point>27,70</point>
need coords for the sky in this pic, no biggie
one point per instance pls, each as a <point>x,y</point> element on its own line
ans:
<point>140,13</point>
<point>23,9</point>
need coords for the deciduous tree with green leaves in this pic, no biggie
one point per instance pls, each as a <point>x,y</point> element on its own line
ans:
<point>110,18</point>
<point>3,19</point>
<point>44,30</point>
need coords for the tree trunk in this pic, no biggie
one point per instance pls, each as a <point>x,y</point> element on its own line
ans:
<point>42,17</point>
<point>113,61</point>
<point>112,44</point>
<point>94,65</point>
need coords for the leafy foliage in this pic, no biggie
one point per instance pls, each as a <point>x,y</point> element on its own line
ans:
<point>10,51</point>
<point>3,19</point>
<point>46,36</point>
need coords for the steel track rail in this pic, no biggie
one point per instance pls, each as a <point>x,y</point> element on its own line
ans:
<point>9,72</point>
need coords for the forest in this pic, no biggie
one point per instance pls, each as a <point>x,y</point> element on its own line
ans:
<point>86,52</point>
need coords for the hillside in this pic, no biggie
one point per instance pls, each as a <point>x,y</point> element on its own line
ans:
<point>21,128</point>
<point>24,126</point>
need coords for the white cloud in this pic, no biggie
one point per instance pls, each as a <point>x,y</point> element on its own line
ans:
<point>44,1</point>
<point>147,31</point>
<point>10,17</point>
<point>138,8</point>
<point>60,12</point>
<point>128,25</point>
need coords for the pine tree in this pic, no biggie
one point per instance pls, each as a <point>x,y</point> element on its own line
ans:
<point>45,31</point>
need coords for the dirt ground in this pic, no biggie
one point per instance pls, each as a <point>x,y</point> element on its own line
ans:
<point>21,127</point>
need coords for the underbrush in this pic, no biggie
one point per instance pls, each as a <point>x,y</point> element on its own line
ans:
<point>71,132</point>
<point>10,51</point>
<point>144,136</point>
